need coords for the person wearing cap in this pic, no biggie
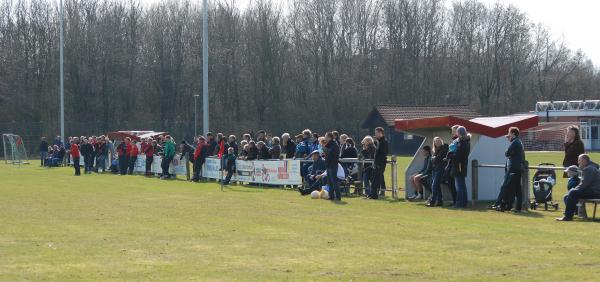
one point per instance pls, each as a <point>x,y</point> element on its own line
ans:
<point>316,168</point>
<point>515,159</point>
<point>572,173</point>
<point>589,188</point>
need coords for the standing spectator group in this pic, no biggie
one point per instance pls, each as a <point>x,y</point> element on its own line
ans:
<point>445,163</point>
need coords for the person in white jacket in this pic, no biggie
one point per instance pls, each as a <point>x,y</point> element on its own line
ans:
<point>341,175</point>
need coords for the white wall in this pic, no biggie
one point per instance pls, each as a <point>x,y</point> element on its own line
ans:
<point>487,150</point>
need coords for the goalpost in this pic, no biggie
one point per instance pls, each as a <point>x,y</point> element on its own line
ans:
<point>550,136</point>
<point>14,149</point>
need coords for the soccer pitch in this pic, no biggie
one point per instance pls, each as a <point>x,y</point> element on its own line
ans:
<point>58,227</point>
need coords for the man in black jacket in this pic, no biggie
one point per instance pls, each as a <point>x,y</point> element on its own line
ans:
<point>87,150</point>
<point>380,163</point>
<point>515,158</point>
<point>212,144</point>
<point>332,157</point>
<point>43,151</point>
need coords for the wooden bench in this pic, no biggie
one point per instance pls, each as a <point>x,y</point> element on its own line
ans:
<point>591,201</point>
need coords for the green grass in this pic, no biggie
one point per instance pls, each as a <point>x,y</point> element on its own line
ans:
<point>58,227</point>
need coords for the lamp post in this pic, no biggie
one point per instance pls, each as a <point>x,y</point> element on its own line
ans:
<point>62,78</point>
<point>196,115</point>
<point>205,66</point>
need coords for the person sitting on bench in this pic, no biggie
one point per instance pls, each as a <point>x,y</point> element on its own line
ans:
<point>417,178</point>
<point>56,157</point>
<point>589,188</point>
<point>341,175</point>
<point>316,168</point>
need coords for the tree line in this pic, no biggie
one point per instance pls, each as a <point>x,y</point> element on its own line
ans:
<point>306,64</point>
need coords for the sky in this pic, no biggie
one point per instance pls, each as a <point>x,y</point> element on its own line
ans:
<point>576,21</point>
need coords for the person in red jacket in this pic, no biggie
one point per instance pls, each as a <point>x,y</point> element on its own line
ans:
<point>199,157</point>
<point>75,155</point>
<point>148,151</point>
<point>133,154</point>
<point>220,148</point>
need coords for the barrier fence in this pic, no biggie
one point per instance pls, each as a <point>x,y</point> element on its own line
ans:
<point>287,172</point>
<point>268,172</point>
<point>283,172</point>
<point>525,179</point>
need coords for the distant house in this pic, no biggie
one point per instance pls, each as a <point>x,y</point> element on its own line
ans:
<point>557,116</point>
<point>403,143</point>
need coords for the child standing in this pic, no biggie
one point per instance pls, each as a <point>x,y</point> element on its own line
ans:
<point>573,174</point>
<point>75,155</point>
<point>574,180</point>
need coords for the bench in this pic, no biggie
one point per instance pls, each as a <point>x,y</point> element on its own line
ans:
<point>591,201</point>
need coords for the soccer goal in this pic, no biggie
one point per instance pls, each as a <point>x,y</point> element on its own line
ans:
<point>14,149</point>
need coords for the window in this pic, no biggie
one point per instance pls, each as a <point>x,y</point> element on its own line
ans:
<point>594,132</point>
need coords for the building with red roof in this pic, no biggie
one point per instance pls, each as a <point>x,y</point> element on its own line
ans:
<point>488,144</point>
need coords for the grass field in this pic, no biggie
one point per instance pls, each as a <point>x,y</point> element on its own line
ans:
<point>58,227</point>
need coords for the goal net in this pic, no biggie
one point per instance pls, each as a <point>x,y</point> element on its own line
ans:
<point>549,136</point>
<point>14,149</point>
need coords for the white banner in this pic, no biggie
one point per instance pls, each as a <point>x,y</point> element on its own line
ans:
<point>211,167</point>
<point>275,172</point>
<point>177,166</point>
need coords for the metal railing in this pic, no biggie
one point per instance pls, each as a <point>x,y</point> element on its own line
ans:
<point>361,164</point>
<point>475,165</point>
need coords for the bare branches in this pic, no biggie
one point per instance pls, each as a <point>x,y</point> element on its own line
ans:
<point>314,63</point>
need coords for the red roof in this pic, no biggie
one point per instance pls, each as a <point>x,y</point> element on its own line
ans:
<point>134,134</point>
<point>390,113</point>
<point>490,126</point>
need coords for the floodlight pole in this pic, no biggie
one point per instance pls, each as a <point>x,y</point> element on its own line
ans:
<point>205,66</point>
<point>62,77</point>
<point>195,115</point>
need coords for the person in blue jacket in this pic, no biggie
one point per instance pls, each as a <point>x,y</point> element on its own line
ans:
<point>515,160</point>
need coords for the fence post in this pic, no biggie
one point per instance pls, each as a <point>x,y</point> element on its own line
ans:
<point>474,182</point>
<point>525,186</point>
<point>187,167</point>
<point>394,178</point>
<point>359,177</point>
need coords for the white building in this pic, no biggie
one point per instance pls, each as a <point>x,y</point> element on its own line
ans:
<point>586,114</point>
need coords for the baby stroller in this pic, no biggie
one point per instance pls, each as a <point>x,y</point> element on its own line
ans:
<point>544,180</point>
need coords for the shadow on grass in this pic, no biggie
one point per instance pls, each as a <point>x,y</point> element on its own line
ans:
<point>341,203</point>
<point>481,207</point>
<point>238,188</point>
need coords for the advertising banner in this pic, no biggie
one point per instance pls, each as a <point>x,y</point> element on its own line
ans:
<point>274,172</point>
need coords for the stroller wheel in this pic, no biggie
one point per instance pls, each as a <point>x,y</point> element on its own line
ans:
<point>555,206</point>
